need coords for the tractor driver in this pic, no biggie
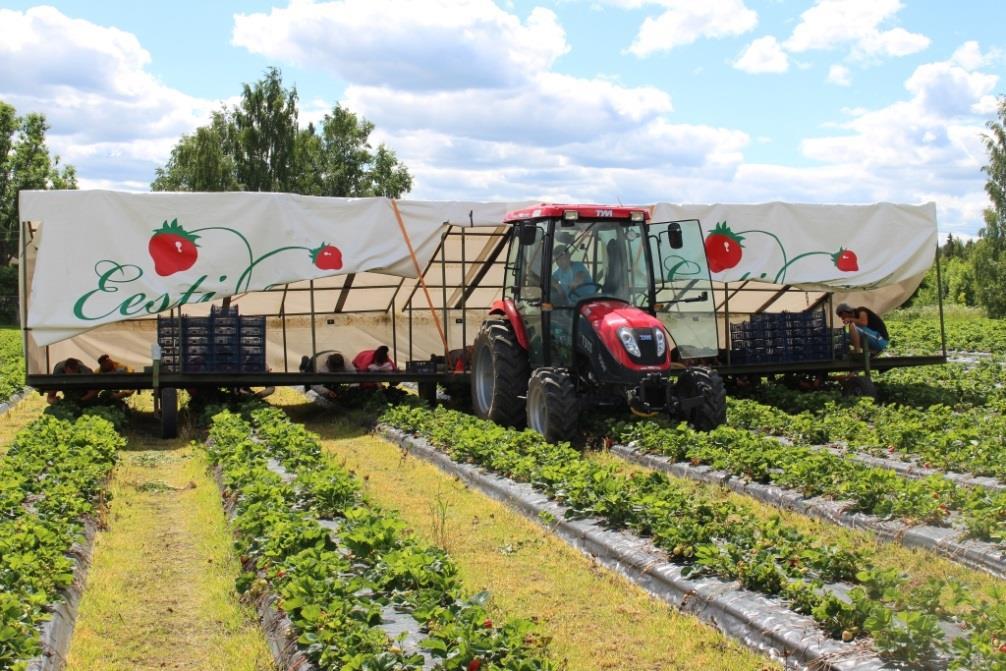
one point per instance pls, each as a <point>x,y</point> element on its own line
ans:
<point>571,277</point>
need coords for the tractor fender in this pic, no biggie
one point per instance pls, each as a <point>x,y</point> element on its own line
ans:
<point>607,316</point>
<point>508,309</point>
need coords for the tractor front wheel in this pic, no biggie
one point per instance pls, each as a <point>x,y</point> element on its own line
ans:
<point>703,391</point>
<point>499,374</point>
<point>553,407</point>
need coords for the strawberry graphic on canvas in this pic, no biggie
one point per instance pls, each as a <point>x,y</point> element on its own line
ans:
<point>845,260</point>
<point>172,248</point>
<point>326,257</point>
<point>723,248</point>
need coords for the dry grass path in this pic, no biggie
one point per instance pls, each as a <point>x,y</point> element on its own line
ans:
<point>160,592</point>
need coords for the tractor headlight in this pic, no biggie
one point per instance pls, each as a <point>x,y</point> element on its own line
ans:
<point>658,336</point>
<point>628,339</point>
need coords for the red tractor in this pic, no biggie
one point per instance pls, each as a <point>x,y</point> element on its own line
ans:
<point>600,308</point>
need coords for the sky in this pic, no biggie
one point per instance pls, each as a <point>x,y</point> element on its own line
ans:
<point>614,101</point>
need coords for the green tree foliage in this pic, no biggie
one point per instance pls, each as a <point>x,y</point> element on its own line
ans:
<point>25,163</point>
<point>259,146</point>
<point>990,252</point>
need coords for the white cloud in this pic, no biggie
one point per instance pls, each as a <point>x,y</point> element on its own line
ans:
<point>417,45</point>
<point>763,55</point>
<point>684,21</point>
<point>831,24</point>
<point>106,112</point>
<point>927,147</point>
<point>839,75</point>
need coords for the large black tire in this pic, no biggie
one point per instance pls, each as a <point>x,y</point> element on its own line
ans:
<point>553,406</point>
<point>708,384</point>
<point>499,374</point>
<point>859,386</point>
<point>169,412</point>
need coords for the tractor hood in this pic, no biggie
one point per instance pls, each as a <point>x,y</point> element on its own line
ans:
<point>616,321</point>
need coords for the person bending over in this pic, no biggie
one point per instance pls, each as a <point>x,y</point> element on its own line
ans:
<point>866,328</point>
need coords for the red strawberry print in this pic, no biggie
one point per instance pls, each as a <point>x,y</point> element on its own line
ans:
<point>172,248</point>
<point>326,257</point>
<point>723,248</point>
<point>845,260</point>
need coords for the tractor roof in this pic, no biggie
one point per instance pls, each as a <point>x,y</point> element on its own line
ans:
<point>584,211</point>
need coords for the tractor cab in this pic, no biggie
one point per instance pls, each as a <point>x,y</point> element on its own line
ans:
<point>600,307</point>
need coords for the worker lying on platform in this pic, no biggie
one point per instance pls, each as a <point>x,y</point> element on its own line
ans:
<point>107,364</point>
<point>334,362</point>
<point>374,360</point>
<point>72,366</point>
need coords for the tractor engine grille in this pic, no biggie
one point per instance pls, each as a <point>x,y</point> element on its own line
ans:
<point>647,348</point>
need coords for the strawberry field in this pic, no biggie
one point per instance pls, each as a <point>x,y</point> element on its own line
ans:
<point>11,363</point>
<point>875,528</point>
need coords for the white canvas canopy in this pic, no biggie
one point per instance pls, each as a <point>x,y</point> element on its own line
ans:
<point>99,265</point>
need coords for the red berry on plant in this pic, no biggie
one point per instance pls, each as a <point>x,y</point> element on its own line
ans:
<point>475,664</point>
<point>488,624</point>
<point>723,248</point>
<point>172,248</point>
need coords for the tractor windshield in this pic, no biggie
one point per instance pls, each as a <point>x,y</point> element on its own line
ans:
<point>598,258</point>
<point>685,300</point>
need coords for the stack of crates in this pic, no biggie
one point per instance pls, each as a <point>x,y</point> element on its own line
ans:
<point>223,342</point>
<point>784,337</point>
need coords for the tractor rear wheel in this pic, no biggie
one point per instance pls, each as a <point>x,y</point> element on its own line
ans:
<point>499,374</point>
<point>553,407</point>
<point>711,411</point>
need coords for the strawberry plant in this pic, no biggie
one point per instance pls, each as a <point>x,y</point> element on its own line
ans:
<point>334,587</point>
<point>50,481</point>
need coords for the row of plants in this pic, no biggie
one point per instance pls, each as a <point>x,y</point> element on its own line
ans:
<point>969,334</point>
<point>875,491</point>
<point>937,438</point>
<point>709,536</point>
<point>334,588</point>
<point>11,363</point>
<point>51,479</point>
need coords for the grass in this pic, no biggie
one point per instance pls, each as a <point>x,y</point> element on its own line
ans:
<point>595,618</point>
<point>917,564</point>
<point>15,419</point>
<point>160,590</point>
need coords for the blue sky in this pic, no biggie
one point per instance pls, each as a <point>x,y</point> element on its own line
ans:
<point>612,100</point>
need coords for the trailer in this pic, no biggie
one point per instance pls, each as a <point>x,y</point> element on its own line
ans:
<point>100,270</point>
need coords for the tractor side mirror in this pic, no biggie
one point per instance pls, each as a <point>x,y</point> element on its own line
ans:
<point>674,236</point>
<point>527,235</point>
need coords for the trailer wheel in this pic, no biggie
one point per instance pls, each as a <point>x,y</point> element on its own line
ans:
<point>169,412</point>
<point>553,407</point>
<point>858,385</point>
<point>705,384</point>
<point>499,374</point>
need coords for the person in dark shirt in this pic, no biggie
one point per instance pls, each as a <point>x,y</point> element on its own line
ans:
<point>865,328</point>
<point>72,366</point>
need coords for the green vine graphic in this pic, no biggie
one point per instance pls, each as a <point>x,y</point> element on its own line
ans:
<point>725,249</point>
<point>174,249</point>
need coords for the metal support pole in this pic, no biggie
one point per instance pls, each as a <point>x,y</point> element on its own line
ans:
<point>282,316</point>
<point>939,298</point>
<point>726,318</point>
<point>314,338</point>
<point>410,330</point>
<point>394,333</point>
<point>443,293</point>
<point>464,292</point>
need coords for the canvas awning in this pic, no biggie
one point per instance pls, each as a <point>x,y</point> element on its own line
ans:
<point>91,263</point>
